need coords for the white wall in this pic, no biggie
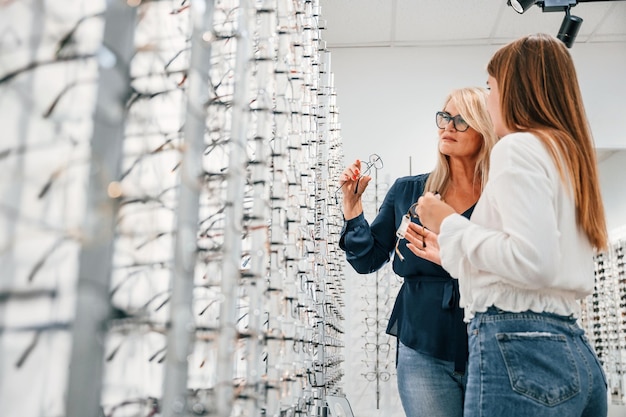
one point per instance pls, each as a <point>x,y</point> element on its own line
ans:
<point>612,173</point>
<point>387,99</point>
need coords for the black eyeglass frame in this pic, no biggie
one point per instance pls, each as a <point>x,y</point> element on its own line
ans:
<point>447,117</point>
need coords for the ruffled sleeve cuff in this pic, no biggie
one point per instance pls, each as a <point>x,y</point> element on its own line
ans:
<point>356,237</point>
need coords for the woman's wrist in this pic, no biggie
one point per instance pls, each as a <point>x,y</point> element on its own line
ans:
<point>352,211</point>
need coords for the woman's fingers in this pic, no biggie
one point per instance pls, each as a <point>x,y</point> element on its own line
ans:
<point>423,242</point>
<point>431,211</point>
<point>420,235</point>
<point>351,173</point>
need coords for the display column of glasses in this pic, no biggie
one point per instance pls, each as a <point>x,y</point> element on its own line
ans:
<point>604,317</point>
<point>377,296</point>
<point>270,124</point>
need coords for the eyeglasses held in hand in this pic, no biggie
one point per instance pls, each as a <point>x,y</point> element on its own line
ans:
<point>374,161</point>
<point>443,118</point>
<point>404,225</point>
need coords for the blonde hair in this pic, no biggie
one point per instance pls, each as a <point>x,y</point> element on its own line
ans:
<point>539,93</point>
<point>471,103</point>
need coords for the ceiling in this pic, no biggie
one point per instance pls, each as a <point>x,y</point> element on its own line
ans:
<point>397,23</point>
<point>406,23</point>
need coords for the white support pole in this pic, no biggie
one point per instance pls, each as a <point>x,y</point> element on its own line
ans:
<point>180,336</point>
<point>95,259</point>
<point>233,233</point>
<point>259,222</point>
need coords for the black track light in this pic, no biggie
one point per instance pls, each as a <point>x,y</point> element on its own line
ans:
<point>520,6</point>
<point>556,5</point>
<point>570,25</point>
<point>569,29</point>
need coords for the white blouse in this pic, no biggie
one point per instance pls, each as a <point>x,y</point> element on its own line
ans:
<point>522,249</point>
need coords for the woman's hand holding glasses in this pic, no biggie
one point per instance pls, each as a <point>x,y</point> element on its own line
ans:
<point>422,242</point>
<point>353,181</point>
<point>353,184</point>
<point>431,211</point>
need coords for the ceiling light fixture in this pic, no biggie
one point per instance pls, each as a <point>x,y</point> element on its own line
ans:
<point>520,6</point>
<point>570,25</point>
<point>569,29</point>
<point>556,5</point>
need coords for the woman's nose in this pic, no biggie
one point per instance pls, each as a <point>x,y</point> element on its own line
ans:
<point>450,125</point>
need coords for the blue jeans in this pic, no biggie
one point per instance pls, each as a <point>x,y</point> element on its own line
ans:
<point>532,364</point>
<point>428,386</point>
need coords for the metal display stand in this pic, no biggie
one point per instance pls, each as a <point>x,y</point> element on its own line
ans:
<point>95,261</point>
<point>208,277</point>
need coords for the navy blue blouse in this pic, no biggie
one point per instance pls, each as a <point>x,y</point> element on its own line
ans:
<point>426,315</point>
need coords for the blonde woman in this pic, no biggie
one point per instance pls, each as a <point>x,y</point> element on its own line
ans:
<point>426,318</point>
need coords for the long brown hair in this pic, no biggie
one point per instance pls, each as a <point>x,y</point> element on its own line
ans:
<point>472,105</point>
<point>539,93</point>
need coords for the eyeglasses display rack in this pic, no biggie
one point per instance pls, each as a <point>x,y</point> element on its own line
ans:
<point>378,292</point>
<point>604,317</point>
<point>169,223</point>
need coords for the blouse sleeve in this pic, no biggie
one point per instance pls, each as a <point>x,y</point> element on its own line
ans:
<point>367,247</point>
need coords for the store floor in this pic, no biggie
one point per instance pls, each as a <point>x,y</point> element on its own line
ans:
<point>617,410</point>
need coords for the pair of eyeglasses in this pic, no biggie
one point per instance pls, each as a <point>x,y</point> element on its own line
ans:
<point>404,224</point>
<point>380,347</point>
<point>372,376</point>
<point>443,118</point>
<point>371,322</point>
<point>374,161</point>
